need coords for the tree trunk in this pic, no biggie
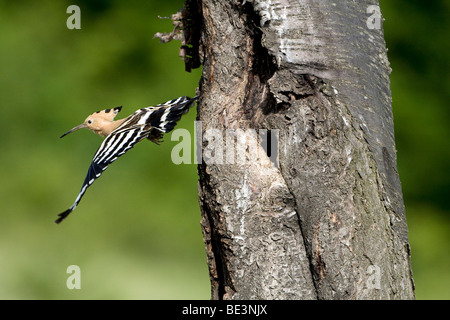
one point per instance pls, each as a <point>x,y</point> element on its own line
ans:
<point>325,218</point>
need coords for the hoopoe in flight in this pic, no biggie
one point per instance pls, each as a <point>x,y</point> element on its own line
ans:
<point>121,135</point>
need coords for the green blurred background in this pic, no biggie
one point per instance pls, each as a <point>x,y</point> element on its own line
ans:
<point>136,234</point>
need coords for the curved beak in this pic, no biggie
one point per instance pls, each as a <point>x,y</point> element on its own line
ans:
<point>81,126</point>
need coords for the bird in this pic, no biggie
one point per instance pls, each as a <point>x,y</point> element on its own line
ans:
<point>122,135</point>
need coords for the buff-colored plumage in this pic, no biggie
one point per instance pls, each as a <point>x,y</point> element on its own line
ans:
<point>100,122</point>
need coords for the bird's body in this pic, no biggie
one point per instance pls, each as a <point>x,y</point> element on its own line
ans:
<point>121,135</point>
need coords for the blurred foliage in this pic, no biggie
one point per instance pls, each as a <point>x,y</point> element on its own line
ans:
<point>136,234</point>
<point>417,36</point>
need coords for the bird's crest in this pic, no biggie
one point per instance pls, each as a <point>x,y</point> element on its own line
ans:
<point>107,114</point>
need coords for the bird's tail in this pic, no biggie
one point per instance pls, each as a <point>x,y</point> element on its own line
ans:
<point>63,215</point>
<point>88,181</point>
<point>166,115</point>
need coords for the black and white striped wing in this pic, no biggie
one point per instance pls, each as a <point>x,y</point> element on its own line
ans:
<point>164,117</point>
<point>114,145</point>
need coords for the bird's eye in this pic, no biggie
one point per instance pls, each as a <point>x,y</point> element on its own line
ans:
<point>89,121</point>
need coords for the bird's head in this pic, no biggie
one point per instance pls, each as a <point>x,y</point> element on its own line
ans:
<point>97,121</point>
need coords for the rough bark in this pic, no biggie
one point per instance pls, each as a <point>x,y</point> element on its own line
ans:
<point>328,222</point>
